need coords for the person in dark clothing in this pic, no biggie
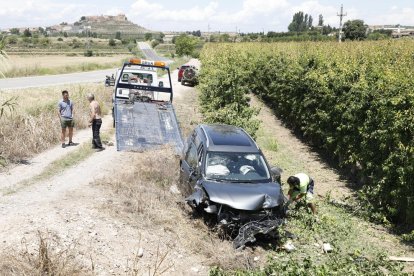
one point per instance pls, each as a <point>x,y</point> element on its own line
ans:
<point>95,121</point>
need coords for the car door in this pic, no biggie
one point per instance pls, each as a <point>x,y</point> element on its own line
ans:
<point>189,170</point>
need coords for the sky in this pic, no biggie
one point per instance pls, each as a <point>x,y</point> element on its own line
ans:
<point>214,15</point>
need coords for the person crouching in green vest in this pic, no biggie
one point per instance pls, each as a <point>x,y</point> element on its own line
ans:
<point>301,185</point>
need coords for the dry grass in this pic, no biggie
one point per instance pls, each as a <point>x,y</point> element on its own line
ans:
<point>20,62</point>
<point>47,256</point>
<point>34,124</point>
<point>18,66</point>
<point>143,193</point>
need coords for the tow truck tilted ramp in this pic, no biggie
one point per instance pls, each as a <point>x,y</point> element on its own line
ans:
<point>144,116</point>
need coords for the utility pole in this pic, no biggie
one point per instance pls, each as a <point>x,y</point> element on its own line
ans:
<point>341,15</point>
<point>209,35</point>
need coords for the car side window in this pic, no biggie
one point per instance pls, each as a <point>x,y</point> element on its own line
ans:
<point>191,156</point>
<point>200,154</point>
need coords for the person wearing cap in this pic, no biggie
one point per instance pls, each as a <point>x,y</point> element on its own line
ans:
<point>301,186</point>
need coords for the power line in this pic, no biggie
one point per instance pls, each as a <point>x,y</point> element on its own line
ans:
<point>341,15</point>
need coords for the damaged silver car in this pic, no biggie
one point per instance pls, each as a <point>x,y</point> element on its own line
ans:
<point>226,178</point>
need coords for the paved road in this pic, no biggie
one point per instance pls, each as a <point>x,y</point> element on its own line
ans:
<point>150,54</point>
<point>50,80</point>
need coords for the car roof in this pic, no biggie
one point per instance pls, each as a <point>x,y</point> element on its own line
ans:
<point>227,138</point>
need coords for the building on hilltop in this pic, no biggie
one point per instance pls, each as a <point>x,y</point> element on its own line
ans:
<point>103,18</point>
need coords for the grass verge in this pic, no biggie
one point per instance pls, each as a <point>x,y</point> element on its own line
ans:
<point>40,71</point>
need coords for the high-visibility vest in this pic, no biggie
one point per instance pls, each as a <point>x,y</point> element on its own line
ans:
<point>304,181</point>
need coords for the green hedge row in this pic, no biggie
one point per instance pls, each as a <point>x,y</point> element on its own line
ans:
<point>355,100</point>
<point>224,85</point>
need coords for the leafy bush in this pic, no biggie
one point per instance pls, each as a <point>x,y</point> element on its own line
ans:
<point>13,39</point>
<point>44,41</point>
<point>154,43</point>
<point>75,43</point>
<point>223,83</point>
<point>112,42</point>
<point>88,53</point>
<point>408,237</point>
<point>353,265</point>
<point>185,45</point>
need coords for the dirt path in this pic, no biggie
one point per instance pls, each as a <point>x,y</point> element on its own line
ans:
<point>30,169</point>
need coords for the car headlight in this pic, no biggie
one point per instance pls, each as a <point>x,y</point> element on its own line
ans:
<point>211,209</point>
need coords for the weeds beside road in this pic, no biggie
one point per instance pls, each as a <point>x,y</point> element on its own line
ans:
<point>34,126</point>
<point>23,66</point>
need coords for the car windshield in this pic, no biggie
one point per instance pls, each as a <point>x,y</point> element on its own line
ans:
<point>236,167</point>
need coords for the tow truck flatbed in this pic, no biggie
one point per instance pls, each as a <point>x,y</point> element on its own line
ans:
<point>144,115</point>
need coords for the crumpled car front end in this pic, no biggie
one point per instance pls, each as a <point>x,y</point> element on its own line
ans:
<point>242,210</point>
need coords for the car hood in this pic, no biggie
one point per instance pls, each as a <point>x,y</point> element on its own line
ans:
<point>244,196</point>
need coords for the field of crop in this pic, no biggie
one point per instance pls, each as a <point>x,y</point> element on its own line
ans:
<point>64,45</point>
<point>352,100</point>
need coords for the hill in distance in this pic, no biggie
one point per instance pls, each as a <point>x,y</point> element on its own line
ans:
<point>103,25</point>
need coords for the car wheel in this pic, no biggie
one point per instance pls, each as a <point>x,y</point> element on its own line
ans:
<point>113,117</point>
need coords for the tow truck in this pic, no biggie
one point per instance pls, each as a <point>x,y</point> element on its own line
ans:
<point>144,116</point>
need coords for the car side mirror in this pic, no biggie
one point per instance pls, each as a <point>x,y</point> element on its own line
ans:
<point>161,84</point>
<point>276,173</point>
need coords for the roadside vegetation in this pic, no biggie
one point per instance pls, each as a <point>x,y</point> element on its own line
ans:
<point>23,66</point>
<point>351,100</point>
<point>182,45</point>
<point>32,125</point>
<point>224,86</point>
<point>46,256</point>
<point>19,44</point>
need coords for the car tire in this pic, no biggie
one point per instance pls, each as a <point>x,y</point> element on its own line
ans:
<point>113,117</point>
